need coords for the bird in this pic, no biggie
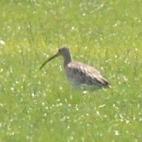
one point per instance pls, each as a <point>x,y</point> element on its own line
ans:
<point>79,73</point>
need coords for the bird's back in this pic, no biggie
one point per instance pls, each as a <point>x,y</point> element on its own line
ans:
<point>81,73</point>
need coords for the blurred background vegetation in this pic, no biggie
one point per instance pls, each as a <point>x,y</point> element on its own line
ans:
<point>41,106</point>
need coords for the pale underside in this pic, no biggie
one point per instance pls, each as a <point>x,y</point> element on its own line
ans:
<point>82,74</point>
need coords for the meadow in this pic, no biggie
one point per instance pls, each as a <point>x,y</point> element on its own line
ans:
<point>42,106</point>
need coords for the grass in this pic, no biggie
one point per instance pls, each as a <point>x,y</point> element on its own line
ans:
<point>41,106</point>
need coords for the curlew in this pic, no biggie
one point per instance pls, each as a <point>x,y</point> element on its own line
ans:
<point>79,73</point>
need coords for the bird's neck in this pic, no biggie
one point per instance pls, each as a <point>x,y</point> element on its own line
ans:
<point>67,59</point>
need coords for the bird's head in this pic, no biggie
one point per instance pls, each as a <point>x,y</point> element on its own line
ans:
<point>64,51</point>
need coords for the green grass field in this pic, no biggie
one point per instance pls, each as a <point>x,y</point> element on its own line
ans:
<point>42,106</point>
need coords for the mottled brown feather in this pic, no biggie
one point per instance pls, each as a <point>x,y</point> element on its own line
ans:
<point>85,74</point>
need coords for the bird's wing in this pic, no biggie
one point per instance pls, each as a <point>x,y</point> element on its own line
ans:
<point>88,74</point>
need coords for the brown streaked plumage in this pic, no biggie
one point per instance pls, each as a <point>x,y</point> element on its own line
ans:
<point>79,73</point>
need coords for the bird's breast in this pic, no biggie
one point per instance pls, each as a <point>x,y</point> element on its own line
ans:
<point>75,75</point>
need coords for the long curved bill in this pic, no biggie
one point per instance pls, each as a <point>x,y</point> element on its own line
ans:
<point>44,63</point>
